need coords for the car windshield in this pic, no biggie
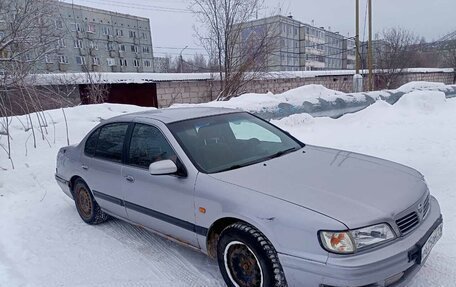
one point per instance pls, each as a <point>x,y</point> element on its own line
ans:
<point>230,141</point>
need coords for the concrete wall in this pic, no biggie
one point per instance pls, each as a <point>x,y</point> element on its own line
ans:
<point>193,92</point>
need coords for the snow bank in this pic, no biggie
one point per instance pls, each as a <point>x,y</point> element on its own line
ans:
<point>422,101</point>
<point>319,101</point>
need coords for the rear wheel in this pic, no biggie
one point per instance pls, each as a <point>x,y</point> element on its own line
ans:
<point>246,258</point>
<point>87,207</point>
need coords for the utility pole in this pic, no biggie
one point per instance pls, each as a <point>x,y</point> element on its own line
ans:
<point>370,48</point>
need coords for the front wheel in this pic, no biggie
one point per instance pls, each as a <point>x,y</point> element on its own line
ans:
<point>87,207</point>
<point>246,258</point>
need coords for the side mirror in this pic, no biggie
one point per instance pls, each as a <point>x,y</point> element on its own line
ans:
<point>162,167</point>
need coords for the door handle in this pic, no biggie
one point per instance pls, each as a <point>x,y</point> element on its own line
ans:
<point>130,178</point>
<point>85,167</point>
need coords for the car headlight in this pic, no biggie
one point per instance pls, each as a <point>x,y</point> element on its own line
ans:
<point>346,242</point>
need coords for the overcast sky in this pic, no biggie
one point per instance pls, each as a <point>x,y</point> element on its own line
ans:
<point>172,29</point>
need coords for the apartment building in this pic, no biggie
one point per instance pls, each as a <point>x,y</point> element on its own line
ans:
<point>303,46</point>
<point>99,41</point>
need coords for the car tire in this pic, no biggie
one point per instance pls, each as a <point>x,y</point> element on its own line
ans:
<point>246,258</point>
<point>87,207</point>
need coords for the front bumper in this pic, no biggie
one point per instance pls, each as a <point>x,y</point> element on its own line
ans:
<point>393,265</point>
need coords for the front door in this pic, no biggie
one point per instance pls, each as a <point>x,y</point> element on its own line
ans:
<point>164,203</point>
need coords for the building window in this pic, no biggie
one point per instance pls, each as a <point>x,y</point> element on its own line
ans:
<point>59,24</point>
<point>93,45</point>
<point>48,59</point>
<point>296,31</point>
<point>63,59</point>
<point>146,49</point>
<point>76,27</point>
<point>136,63</point>
<point>132,34</point>
<point>106,30</point>
<point>78,44</point>
<point>123,63</point>
<point>61,43</point>
<point>119,32</point>
<point>80,60</point>
<point>134,48</point>
<point>90,28</point>
<point>111,62</point>
<point>147,63</point>
<point>96,61</point>
<point>110,46</point>
<point>143,35</point>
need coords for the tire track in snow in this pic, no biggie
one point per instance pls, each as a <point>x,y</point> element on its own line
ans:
<point>170,261</point>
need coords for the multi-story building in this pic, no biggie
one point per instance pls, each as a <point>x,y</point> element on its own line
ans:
<point>302,46</point>
<point>94,40</point>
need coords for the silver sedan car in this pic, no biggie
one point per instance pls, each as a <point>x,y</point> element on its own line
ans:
<point>272,210</point>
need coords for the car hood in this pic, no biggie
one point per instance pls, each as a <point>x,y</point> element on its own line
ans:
<point>356,189</point>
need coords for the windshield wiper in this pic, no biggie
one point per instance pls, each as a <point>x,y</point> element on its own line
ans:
<point>281,153</point>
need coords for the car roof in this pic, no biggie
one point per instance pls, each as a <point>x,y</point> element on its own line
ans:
<point>171,115</point>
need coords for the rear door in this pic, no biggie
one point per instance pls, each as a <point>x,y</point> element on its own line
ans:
<point>102,166</point>
<point>164,203</point>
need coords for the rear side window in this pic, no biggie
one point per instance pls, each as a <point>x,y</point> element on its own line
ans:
<point>110,142</point>
<point>148,145</point>
<point>91,143</point>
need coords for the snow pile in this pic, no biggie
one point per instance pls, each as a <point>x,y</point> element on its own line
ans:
<point>311,94</point>
<point>319,101</point>
<point>422,101</point>
<point>43,241</point>
<point>424,86</point>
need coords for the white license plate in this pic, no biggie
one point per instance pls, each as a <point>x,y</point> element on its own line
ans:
<point>432,240</point>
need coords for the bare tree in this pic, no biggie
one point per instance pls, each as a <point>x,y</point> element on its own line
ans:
<point>394,53</point>
<point>27,37</point>
<point>239,48</point>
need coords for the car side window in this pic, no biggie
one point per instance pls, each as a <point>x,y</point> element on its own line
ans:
<point>91,143</point>
<point>148,145</point>
<point>110,142</point>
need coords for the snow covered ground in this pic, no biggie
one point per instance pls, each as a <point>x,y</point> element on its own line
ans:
<point>43,242</point>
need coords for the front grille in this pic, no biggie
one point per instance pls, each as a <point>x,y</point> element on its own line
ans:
<point>408,222</point>
<point>426,206</point>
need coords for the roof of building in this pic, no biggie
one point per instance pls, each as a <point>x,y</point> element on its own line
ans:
<point>112,78</point>
<point>141,78</point>
<point>102,11</point>
<point>171,115</point>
